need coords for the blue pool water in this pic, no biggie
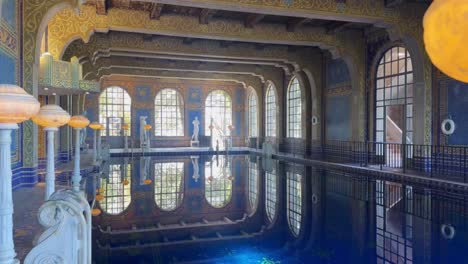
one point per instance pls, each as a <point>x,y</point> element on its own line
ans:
<point>245,209</point>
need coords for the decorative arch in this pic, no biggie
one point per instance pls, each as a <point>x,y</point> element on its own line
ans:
<point>271,109</point>
<point>295,108</point>
<point>169,185</point>
<point>169,113</point>
<point>394,95</point>
<point>253,113</point>
<point>218,106</point>
<point>114,110</point>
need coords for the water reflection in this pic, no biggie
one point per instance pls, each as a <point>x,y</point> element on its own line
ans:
<point>294,200</point>
<point>168,184</point>
<point>253,185</point>
<point>238,211</point>
<point>271,182</point>
<point>218,181</point>
<point>117,195</point>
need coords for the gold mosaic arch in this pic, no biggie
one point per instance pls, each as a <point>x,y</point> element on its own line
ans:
<point>67,25</point>
<point>35,13</point>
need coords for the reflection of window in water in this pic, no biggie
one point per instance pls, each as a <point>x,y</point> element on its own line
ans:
<point>294,201</point>
<point>270,194</point>
<point>253,185</point>
<point>114,109</point>
<point>117,196</point>
<point>394,226</point>
<point>218,182</point>
<point>169,185</point>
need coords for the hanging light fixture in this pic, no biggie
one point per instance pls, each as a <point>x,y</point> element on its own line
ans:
<point>445,25</point>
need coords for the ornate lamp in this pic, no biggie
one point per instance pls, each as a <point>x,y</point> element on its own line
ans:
<point>148,127</point>
<point>51,117</point>
<point>445,23</point>
<point>78,122</point>
<point>16,106</point>
<point>125,128</point>
<point>94,126</point>
<point>96,212</point>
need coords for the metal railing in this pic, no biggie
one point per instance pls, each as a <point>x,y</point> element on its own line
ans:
<point>448,162</point>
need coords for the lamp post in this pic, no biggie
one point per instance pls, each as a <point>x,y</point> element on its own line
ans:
<point>148,141</point>
<point>16,106</point>
<point>78,122</point>
<point>98,152</point>
<point>125,128</point>
<point>51,117</point>
<point>95,126</point>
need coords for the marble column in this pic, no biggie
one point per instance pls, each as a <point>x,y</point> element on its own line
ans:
<point>76,178</point>
<point>50,170</point>
<point>7,247</point>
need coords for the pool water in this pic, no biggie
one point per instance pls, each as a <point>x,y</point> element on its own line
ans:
<point>246,209</point>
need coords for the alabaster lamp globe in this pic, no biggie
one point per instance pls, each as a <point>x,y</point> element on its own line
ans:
<point>16,105</point>
<point>78,121</point>
<point>125,127</point>
<point>51,116</point>
<point>95,212</point>
<point>445,26</point>
<point>148,127</point>
<point>95,126</point>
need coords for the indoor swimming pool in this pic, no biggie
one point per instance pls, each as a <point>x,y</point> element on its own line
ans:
<point>248,209</point>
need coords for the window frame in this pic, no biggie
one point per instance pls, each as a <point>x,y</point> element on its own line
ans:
<point>294,102</point>
<point>109,111</point>
<point>271,112</point>
<point>163,109</point>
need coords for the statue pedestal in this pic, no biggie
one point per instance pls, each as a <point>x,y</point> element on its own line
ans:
<point>194,143</point>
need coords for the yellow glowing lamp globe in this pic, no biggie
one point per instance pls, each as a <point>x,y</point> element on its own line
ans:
<point>95,126</point>
<point>445,37</point>
<point>99,197</point>
<point>125,127</point>
<point>95,212</point>
<point>78,121</point>
<point>147,181</point>
<point>16,105</point>
<point>148,127</point>
<point>51,116</point>
<point>126,182</point>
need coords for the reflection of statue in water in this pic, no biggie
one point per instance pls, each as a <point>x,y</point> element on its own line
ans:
<point>196,129</point>
<point>143,134</point>
<point>196,170</point>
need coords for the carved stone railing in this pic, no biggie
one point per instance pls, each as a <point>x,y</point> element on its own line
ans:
<point>66,217</point>
<point>64,75</point>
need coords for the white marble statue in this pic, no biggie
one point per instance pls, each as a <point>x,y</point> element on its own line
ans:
<point>196,129</point>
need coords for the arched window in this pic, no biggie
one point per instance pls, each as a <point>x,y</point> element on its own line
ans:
<point>394,97</point>
<point>294,201</point>
<point>270,194</point>
<point>218,182</point>
<point>114,110</point>
<point>168,184</point>
<point>218,107</point>
<point>253,185</point>
<point>294,109</point>
<point>117,196</point>
<point>169,114</point>
<point>253,115</point>
<point>271,111</point>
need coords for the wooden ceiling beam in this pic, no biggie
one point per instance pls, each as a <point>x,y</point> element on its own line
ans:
<point>294,23</point>
<point>156,11</point>
<point>253,19</point>
<point>206,14</point>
